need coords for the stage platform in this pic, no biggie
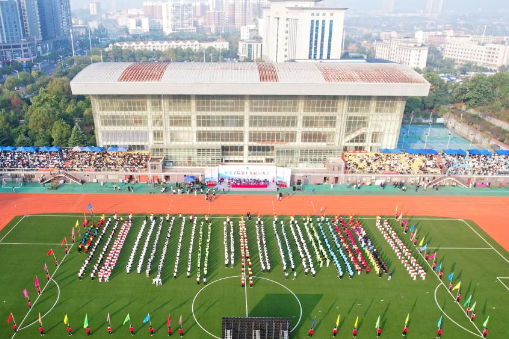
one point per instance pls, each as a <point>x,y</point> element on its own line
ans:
<point>272,187</point>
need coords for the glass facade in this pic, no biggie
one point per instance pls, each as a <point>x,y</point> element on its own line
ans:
<point>207,130</point>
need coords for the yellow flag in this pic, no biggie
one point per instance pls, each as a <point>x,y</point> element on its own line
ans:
<point>40,319</point>
<point>422,242</point>
<point>396,208</point>
<point>337,321</point>
<point>407,319</point>
<point>356,322</point>
<point>77,224</point>
<point>65,319</point>
<point>400,216</point>
<point>102,217</point>
<point>457,287</point>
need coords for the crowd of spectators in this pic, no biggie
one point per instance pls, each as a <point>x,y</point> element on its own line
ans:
<point>76,161</point>
<point>246,182</point>
<point>403,163</point>
<point>476,164</point>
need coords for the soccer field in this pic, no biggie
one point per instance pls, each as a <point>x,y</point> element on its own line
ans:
<point>477,261</point>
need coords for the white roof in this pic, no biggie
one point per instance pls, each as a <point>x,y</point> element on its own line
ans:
<point>378,79</point>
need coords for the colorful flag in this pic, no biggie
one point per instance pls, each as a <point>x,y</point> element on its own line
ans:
<point>127,319</point>
<point>103,217</point>
<point>377,322</point>
<point>45,267</point>
<point>66,320</point>
<point>85,323</point>
<point>108,318</point>
<point>423,248</point>
<point>439,267</point>
<point>72,233</point>
<point>36,281</point>
<point>89,207</point>
<point>433,255</point>
<point>412,228</point>
<point>77,224</point>
<point>168,323</point>
<point>407,319</point>
<point>451,275</point>
<point>180,321</point>
<point>10,318</point>
<point>473,306</point>
<point>50,252</point>
<point>356,322</point>
<point>396,208</point>
<point>337,321</point>
<point>457,287</point>
<point>484,324</point>
<point>40,319</point>
<point>314,322</point>
<point>467,301</point>
<point>147,318</point>
<point>439,324</point>
<point>25,293</point>
<point>422,242</point>
<point>64,241</point>
<point>400,216</point>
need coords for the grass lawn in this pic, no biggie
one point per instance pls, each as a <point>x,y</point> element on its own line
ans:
<point>463,247</point>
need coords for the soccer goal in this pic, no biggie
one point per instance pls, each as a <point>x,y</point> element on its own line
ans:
<point>12,182</point>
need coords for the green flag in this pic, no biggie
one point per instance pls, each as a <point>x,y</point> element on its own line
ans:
<point>485,323</point>
<point>473,307</point>
<point>127,319</point>
<point>377,323</point>
<point>467,302</point>
<point>85,323</point>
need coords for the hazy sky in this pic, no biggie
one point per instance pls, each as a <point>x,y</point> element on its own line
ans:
<point>401,5</point>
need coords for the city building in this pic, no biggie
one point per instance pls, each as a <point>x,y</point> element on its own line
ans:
<point>215,21</point>
<point>16,43</point>
<point>464,49</point>
<point>300,30</point>
<point>250,49</point>
<point>434,7</point>
<point>388,6</point>
<point>55,21</point>
<point>95,9</point>
<point>177,17</point>
<point>296,115</point>
<point>11,29</point>
<point>153,10</point>
<point>30,19</point>
<point>405,51</point>
<point>219,44</point>
<point>248,32</point>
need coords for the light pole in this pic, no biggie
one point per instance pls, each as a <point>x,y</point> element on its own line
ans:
<point>449,141</point>
<point>410,123</point>
<point>211,55</point>
<point>426,140</point>
<point>471,139</point>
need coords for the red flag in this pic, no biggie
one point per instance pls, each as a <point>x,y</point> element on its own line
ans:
<point>168,323</point>
<point>36,281</point>
<point>10,318</point>
<point>64,241</point>
<point>50,252</point>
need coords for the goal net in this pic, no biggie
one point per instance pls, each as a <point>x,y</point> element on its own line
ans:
<point>12,182</point>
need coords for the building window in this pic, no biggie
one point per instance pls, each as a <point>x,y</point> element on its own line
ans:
<point>273,137</point>
<point>272,121</point>
<point>219,136</point>
<point>157,137</point>
<point>179,120</point>
<point>219,103</point>
<point>319,121</point>
<point>318,137</point>
<point>354,123</point>
<point>358,105</point>
<point>220,121</point>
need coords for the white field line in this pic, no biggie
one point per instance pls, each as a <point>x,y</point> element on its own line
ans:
<point>245,292</point>
<point>459,248</point>
<point>42,291</point>
<point>313,205</point>
<point>23,217</point>
<point>29,243</point>
<point>486,241</point>
<point>273,208</point>
<point>500,280</point>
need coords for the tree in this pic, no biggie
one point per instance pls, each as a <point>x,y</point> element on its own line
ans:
<point>78,138</point>
<point>23,140</point>
<point>5,129</point>
<point>61,132</point>
<point>40,122</point>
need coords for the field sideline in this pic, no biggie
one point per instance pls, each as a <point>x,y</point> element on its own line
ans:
<point>463,247</point>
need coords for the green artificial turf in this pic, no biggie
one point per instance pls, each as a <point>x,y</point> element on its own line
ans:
<point>476,263</point>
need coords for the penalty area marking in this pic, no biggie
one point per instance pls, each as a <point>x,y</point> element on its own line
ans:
<point>500,280</point>
<point>238,276</point>
<point>447,316</point>
<point>486,241</point>
<point>23,217</point>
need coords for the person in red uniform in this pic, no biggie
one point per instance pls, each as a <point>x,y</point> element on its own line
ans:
<point>379,332</point>
<point>468,310</point>
<point>458,297</point>
<point>169,331</point>
<point>472,317</point>
<point>181,332</point>
<point>41,331</point>
<point>439,333</point>
<point>450,286</point>
<point>15,327</point>
<point>88,331</point>
<point>334,331</point>
<point>131,329</point>
<point>354,332</point>
<point>56,262</point>
<point>29,304</point>
<point>311,332</point>
<point>485,333</point>
<point>47,276</point>
<point>151,331</point>
<point>405,331</point>
<point>109,330</point>
<point>38,290</point>
<point>440,275</point>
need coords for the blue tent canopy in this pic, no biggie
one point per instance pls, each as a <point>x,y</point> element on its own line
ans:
<point>123,148</point>
<point>113,149</point>
<point>502,152</point>
<point>86,149</point>
<point>454,152</point>
<point>96,149</point>
<point>7,148</point>
<point>479,152</point>
<point>44,149</point>
<point>420,151</point>
<point>189,179</point>
<point>26,149</point>
<point>390,151</point>
<point>55,149</point>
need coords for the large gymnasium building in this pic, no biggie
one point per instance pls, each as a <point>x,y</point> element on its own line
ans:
<point>293,115</point>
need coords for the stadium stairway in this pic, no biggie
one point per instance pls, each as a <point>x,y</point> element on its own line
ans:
<point>443,179</point>
<point>64,176</point>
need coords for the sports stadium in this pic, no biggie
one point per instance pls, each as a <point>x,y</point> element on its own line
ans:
<point>253,200</point>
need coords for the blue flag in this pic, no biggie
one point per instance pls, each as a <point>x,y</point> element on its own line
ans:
<point>423,248</point>
<point>147,318</point>
<point>439,322</point>
<point>439,267</point>
<point>450,276</point>
<point>314,321</point>
<point>412,228</point>
<point>89,207</point>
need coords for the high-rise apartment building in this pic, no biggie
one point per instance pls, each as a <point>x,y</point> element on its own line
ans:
<point>434,7</point>
<point>153,10</point>
<point>406,51</point>
<point>388,6</point>
<point>177,17</point>
<point>11,26</point>
<point>300,30</point>
<point>466,49</point>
